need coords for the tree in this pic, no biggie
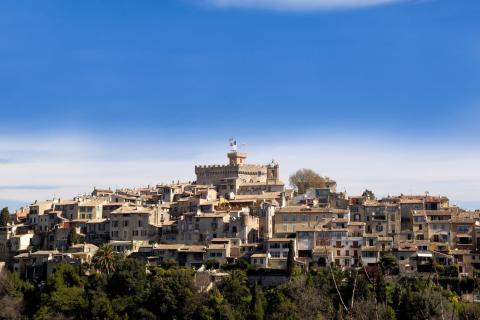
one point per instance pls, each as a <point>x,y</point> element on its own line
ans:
<point>64,294</point>
<point>128,287</point>
<point>235,291</point>
<point>212,264</point>
<point>290,259</point>
<point>389,263</point>
<point>105,259</point>
<point>304,179</point>
<point>258,303</point>
<point>4,217</point>
<point>470,311</point>
<point>171,292</point>
<point>368,194</point>
<point>12,290</point>
<point>72,237</point>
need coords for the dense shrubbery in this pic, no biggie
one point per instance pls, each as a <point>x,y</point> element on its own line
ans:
<point>125,289</point>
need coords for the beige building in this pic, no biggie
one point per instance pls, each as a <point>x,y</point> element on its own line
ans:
<point>277,251</point>
<point>91,209</point>
<point>289,219</point>
<point>68,208</point>
<point>382,219</point>
<point>201,228</point>
<point>37,209</point>
<point>229,178</point>
<point>130,224</point>
<point>218,252</point>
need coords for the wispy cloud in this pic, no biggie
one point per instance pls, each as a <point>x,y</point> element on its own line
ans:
<point>69,166</point>
<point>299,5</point>
<point>27,187</point>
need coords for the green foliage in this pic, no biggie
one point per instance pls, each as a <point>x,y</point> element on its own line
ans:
<point>470,311</point>
<point>64,294</point>
<point>171,292</point>
<point>304,179</point>
<point>389,263</point>
<point>368,194</point>
<point>258,303</point>
<point>105,259</point>
<point>290,259</point>
<point>130,292</point>
<point>72,237</point>
<point>4,217</point>
<point>212,264</point>
<point>240,264</point>
<point>13,293</point>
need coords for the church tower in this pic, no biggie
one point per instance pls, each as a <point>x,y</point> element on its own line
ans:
<point>273,173</point>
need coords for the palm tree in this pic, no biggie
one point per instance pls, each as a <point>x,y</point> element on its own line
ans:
<point>105,259</point>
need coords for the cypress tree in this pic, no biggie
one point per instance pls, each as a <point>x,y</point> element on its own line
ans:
<point>290,259</point>
<point>4,217</point>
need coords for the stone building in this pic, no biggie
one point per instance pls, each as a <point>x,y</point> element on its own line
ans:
<point>229,178</point>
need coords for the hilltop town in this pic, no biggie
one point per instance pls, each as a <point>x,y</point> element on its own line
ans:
<point>243,211</point>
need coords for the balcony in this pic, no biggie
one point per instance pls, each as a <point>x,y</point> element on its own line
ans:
<point>371,248</point>
<point>355,234</point>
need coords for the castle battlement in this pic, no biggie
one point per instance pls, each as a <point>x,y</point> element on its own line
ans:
<point>229,166</point>
<point>230,176</point>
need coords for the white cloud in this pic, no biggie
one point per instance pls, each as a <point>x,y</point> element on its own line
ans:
<point>42,167</point>
<point>298,5</point>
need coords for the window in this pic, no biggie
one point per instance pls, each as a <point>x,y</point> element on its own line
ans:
<point>275,254</point>
<point>125,223</point>
<point>369,254</point>
<point>139,223</point>
<point>462,228</point>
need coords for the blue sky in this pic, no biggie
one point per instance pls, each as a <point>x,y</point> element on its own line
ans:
<point>126,92</point>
